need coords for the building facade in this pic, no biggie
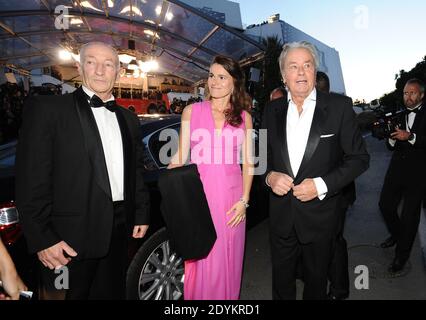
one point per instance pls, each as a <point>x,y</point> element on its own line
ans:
<point>228,12</point>
<point>329,57</point>
<point>224,11</point>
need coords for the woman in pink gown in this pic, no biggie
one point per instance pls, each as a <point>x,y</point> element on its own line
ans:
<point>215,132</point>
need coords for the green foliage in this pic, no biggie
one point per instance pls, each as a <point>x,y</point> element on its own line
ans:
<point>394,98</point>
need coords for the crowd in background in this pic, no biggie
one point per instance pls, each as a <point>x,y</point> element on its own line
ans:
<point>11,103</point>
<point>126,93</point>
<point>12,98</point>
<point>178,104</point>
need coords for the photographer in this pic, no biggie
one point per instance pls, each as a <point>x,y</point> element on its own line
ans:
<point>406,176</point>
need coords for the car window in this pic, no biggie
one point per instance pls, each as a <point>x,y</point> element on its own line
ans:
<point>163,144</point>
<point>7,155</point>
<point>7,162</point>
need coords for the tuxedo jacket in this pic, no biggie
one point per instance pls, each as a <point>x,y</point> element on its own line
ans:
<point>335,151</point>
<point>62,184</point>
<point>409,161</point>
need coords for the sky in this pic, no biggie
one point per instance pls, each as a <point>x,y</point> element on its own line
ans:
<point>375,38</point>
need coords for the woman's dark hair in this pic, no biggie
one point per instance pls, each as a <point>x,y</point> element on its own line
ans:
<point>240,100</point>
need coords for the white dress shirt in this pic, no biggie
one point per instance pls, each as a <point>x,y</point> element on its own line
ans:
<point>298,128</point>
<point>112,144</point>
<point>409,121</point>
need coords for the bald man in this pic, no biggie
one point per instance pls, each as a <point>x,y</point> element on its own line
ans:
<point>79,182</point>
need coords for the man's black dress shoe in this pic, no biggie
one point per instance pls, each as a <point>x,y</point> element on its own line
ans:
<point>389,242</point>
<point>396,266</point>
<point>331,296</point>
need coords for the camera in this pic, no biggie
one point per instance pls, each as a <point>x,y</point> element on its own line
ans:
<point>387,124</point>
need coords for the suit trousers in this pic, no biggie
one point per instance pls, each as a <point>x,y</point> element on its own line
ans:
<point>403,228</point>
<point>315,257</point>
<point>338,272</point>
<point>94,279</point>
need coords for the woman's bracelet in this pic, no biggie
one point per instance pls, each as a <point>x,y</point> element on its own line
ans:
<point>244,202</point>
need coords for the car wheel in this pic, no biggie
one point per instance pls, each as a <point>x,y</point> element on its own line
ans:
<point>156,271</point>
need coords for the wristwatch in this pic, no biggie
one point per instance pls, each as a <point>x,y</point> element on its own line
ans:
<point>411,137</point>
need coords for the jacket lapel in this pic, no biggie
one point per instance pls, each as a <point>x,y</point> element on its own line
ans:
<point>127,146</point>
<point>282,132</point>
<point>418,119</point>
<point>314,134</point>
<point>92,140</point>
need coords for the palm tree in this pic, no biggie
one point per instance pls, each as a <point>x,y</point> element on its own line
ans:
<point>271,70</point>
<point>271,75</point>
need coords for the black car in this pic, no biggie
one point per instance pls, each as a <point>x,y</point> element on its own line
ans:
<point>155,270</point>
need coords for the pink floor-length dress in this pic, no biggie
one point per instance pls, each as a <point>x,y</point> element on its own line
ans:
<point>216,153</point>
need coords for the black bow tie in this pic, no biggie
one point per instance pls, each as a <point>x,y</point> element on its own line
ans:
<point>96,102</point>
<point>416,110</point>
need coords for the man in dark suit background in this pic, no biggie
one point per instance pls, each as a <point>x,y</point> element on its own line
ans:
<point>79,183</point>
<point>338,272</point>
<point>406,176</point>
<point>314,150</point>
<point>278,92</point>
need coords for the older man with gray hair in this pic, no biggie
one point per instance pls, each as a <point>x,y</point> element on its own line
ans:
<point>314,150</point>
<point>79,185</point>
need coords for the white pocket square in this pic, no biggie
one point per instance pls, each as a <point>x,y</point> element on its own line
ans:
<point>327,135</point>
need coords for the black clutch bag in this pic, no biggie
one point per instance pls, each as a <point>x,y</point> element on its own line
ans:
<point>186,212</point>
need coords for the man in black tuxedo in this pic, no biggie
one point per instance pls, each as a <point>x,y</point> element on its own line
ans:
<point>79,186</point>
<point>406,176</point>
<point>314,150</point>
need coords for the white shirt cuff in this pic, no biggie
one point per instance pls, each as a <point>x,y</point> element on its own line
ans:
<point>414,139</point>
<point>392,142</point>
<point>321,187</point>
